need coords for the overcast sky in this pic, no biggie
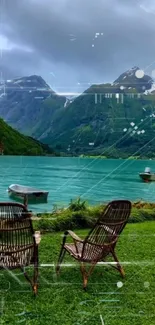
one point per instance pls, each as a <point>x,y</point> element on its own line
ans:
<point>56,39</point>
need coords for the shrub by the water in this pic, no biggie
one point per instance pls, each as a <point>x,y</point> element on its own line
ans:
<point>79,215</point>
<point>77,205</point>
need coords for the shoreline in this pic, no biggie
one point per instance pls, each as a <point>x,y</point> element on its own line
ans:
<point>79,216</point>
<point>82,157</point>
<point>120,158</point>
<point>135,205</point>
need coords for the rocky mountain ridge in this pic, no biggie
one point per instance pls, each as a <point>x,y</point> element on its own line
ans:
<point>88,123</point>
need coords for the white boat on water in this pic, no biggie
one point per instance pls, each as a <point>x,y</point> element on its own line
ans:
<point>147,176</point>
<point>30,194</point>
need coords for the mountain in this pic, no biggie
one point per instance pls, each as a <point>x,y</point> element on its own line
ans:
<point>134,78</point>
<point>114,119</point>
<point>28,104</point>
<point>14,143</point>
<point>93,125</point>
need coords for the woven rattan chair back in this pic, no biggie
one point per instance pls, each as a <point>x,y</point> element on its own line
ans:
<point>17,241</point>
<point>107,229</point>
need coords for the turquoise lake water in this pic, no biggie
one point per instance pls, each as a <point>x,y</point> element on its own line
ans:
<point>95,180</point>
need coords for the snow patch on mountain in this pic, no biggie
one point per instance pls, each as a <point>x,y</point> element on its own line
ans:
<point>150,90</point>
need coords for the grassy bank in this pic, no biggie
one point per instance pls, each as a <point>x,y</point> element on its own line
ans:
<point>80,215</point>
<point>62,301</point>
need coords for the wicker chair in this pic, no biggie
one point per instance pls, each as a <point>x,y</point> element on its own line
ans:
<point>101,240</point>
<point>18,242</point>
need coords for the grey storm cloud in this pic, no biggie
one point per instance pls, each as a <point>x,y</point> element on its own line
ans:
<point>56,39</point>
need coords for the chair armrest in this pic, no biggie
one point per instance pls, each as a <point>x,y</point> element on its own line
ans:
<point>73,235</point>
<point>37,237</point>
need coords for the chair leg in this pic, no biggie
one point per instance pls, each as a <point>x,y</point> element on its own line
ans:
<point>35,280</point>
<point>35,274</point>
<point>34,283</point>
<point>119,266</point>
<point>60,259</point>
<point>84,276</point>
<point>62,252</point>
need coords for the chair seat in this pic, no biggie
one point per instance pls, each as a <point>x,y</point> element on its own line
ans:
<point>91,252</point>
<point>8,253</point>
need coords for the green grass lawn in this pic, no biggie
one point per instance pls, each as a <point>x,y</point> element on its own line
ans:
<point>63,301</point>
